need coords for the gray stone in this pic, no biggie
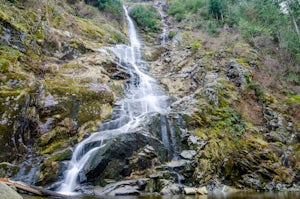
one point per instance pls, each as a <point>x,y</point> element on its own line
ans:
<point>195,142</point>
<point>177,164</point>
<point>237,73</point>
<point>190,191</point>
<point>8,193</point>
<point>171,189</point>
<point>279,128</point>
<point>125,191</point>
<point>188,154</point>
<point>126,187</point>
<point>202,191</point>
<point>11,36</point>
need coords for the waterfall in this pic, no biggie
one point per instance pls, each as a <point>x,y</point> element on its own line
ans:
<point>142,97</point>
<point>162,7</point>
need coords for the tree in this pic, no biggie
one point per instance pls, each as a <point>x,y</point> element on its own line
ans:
<point>293,8</point>
<point>217,7</point>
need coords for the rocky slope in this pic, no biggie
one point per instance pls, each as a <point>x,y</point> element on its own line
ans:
<point>231,126</point>
<point>246,132</point>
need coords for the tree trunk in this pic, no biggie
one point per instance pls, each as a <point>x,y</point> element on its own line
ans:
<point>32,189</point>
<point>295,25</point>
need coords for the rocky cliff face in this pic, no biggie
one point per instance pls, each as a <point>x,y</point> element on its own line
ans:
<point>57,87</point>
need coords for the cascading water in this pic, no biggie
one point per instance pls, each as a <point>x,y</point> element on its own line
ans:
<point>142,96</point>
<point>162,7</point>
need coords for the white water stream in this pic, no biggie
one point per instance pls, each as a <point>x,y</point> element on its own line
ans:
<point>142,96</point>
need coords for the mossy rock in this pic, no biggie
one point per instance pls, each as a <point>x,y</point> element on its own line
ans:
<point>62,131</point>
<point>65,154</point>
<point>56,146</point>
<point>49,173</point>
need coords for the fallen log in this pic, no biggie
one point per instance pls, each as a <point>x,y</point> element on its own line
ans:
<point>32,189</point>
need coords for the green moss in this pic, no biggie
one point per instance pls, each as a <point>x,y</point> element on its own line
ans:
<point>39,36</point>
<point>9,54</point>
<point>200,133</point>
<point>15,93</point>
<point>57,134</point>
<point>68,87</point>
<point>90,29</point>
<point>185,35</point>
<point>51,148</point>
<point>4,65</point>
<point>89,111</point>
<point>296,99</point>
<point>196,45</point>
<point>242,61</point>
<point>60,156</point>
<point>10,16</point>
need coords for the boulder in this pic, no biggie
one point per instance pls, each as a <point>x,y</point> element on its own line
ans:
<point>190,191</point>
<point>8,193</point>
<point>169,188</point>
<point>188,154</point>
<point>7,169</point>
<point>126,187</point>
<point>202,190</point>
<point>125,191</point>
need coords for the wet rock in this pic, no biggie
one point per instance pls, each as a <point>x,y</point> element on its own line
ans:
<point>170,129</point>
<point>188,154</point>
<point>253,182</point>
<point>50,172</point>
<point>8,193</point>
<point>7,169</point>
<point>238,74</point>
<point>169,188</point>
<point>125,191</point>
<point>144,158</point>
<point>113,160</point>
<point>126,187</point>
<point>177,164</point>
<point>221,189</point>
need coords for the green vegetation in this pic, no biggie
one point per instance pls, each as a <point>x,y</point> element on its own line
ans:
<point>270,26</point>
<point>179,8</point>
<point>112,7</point>
<point>146,17</point>
<point>8,57</point>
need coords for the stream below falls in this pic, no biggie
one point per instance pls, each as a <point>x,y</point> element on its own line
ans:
<point>241,195</point>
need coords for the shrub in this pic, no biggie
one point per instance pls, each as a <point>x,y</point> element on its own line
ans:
<point>211,27</point>
<point>114,7</point>
<point>146,17</point>
<point>179,8</point>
